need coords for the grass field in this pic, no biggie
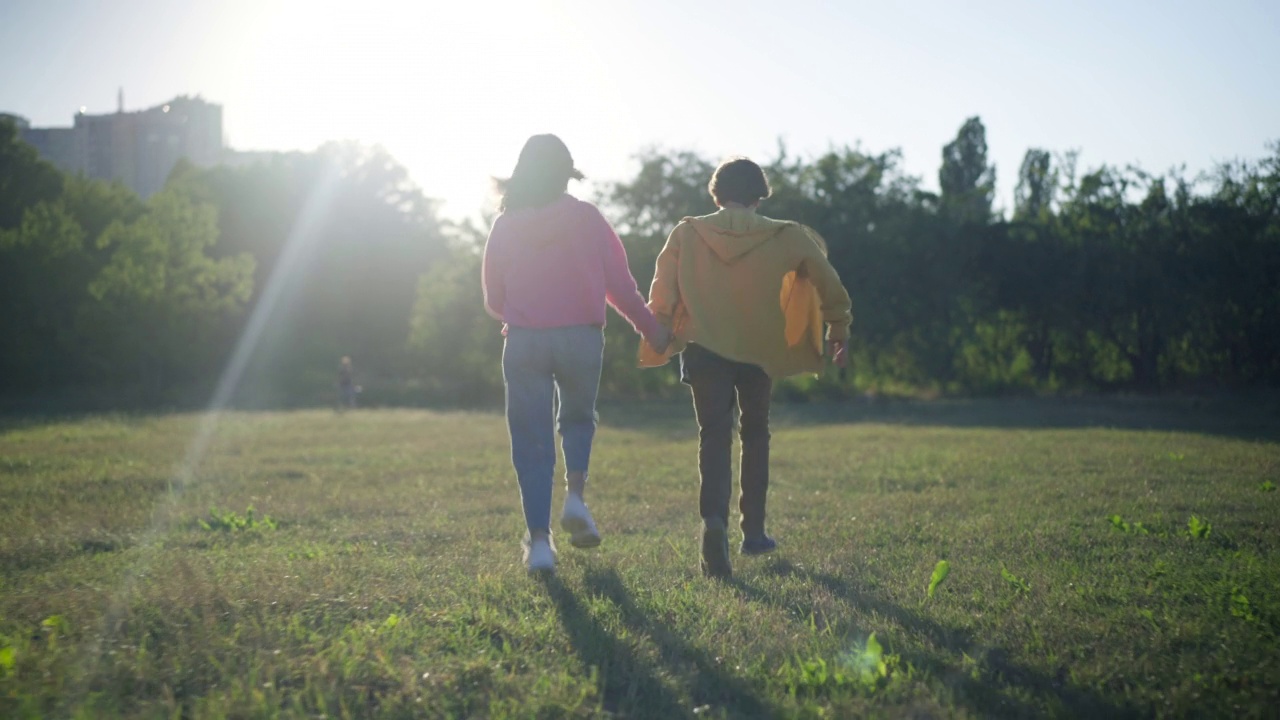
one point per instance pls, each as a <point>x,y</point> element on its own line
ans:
<point>1107,558</point>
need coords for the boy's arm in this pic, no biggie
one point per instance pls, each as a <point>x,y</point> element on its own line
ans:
<point>837,308</point>
<point>664,298</point>
<point>492,273</point>
<point>664,291</point>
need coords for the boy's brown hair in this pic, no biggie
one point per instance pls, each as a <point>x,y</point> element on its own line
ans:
<point>738,180</point>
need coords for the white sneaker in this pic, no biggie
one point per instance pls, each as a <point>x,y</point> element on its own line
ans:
<point>576,520</point>
<point>539,555</point>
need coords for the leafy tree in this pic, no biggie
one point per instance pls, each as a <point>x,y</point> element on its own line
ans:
<point>160,295</point>
<point>968,183</point>
<point>452,339</point>
<point>45,263</point>
<point>366,235</point>
<point>1037,185</point>
<point>1106,279</point>
<point>666,189</point>
<point>25,179</point>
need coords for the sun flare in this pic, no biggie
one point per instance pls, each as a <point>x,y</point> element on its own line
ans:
<point>450,88</point>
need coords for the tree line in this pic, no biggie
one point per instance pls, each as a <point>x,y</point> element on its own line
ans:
<point>1110,279</point>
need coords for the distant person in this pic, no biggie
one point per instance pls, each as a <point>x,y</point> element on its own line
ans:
<point>347,388</point>
<point>551,264</point>
<point>745,297</point>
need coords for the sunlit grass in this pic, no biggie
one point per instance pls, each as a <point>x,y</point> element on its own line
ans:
<point>378,572</point>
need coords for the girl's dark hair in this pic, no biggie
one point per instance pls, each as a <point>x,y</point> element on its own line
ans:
<point>542,174</point>
<point>738,180</point>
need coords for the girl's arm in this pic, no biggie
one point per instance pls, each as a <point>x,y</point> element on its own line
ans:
<point>620,286</point>
<point>492,274</point>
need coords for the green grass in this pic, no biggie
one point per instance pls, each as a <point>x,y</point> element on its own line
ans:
<point>1104,559</point>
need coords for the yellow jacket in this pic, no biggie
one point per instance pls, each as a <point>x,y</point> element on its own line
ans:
<point>748,288</point>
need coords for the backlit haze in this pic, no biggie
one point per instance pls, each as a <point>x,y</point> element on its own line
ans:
<point>453,89</point>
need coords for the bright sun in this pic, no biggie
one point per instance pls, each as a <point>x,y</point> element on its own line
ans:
<point>451,89</point>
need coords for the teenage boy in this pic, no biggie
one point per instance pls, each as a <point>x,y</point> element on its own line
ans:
<point>745,297</point>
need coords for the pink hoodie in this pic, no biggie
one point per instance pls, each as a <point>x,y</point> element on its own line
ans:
<point>558,265</point>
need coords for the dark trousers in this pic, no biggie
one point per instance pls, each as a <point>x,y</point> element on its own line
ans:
<point>718,384</point>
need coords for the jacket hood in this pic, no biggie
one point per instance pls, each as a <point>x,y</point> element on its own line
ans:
<point>732,233</point>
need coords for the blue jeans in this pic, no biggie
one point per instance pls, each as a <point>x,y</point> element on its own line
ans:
<point>539,367</point>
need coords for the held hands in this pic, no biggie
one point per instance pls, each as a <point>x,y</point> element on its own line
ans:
<point>836,349</point>
<point>661,341</point>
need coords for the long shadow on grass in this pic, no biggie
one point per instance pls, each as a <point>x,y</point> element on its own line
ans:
<point>632,684</point>
<point>628,683</point>
<point>983,695</point>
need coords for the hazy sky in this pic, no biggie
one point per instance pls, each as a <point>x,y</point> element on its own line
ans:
<point>453,89</point>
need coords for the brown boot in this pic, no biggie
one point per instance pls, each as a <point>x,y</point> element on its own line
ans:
<point>715,549</point>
